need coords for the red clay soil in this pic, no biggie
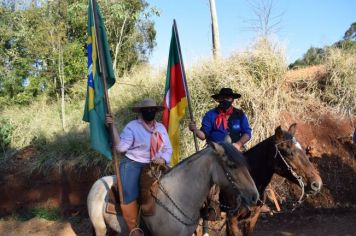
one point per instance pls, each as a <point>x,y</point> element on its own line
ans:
<point>330,147</point>
<point>311,72</point>
<point>64,187</point>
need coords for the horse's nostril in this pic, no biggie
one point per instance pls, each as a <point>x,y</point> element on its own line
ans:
<point>255,198</point>
<point>315,186</point>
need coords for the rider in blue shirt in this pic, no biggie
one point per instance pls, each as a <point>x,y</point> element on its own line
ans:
<point>224,120</point>
<point>219,122</point>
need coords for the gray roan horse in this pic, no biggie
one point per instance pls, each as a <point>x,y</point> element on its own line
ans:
<point>182,192</point>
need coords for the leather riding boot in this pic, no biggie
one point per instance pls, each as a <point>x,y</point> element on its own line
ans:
<point>130,214</point>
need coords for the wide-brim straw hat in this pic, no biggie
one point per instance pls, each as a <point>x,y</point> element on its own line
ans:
<point>147,103</point>
<point>226,92</point>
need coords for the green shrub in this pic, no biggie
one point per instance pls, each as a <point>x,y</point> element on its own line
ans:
<point>6,129</point>
<point>22,216</point>
<point>51,214</point>
<point>314,56</point>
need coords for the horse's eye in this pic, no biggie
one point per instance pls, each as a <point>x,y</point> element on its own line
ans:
<point>286,152</point>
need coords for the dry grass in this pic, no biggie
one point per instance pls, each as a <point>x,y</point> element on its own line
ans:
<point>332,85</point>
<point>340,84</point>
<point>259,74</point>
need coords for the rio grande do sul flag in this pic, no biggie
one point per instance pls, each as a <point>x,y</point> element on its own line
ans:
<point>175,99</point>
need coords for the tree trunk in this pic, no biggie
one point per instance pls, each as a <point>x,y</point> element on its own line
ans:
<point>61,78</point>
<point>215,30</point>
<point>117,48</point>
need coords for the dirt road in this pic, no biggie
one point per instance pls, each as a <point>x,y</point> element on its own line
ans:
<point>325,223</point>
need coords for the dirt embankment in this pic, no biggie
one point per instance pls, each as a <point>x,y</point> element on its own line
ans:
<point>64,187</point>
<point>330,147</point>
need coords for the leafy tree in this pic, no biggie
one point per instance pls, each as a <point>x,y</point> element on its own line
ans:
<point>349,40</point>
<point>313,56</point>
<point>350,33</point>
<point>316,56</point>
<point>43,44</point>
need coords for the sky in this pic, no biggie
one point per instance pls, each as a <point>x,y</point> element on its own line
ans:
<point>303,23</point>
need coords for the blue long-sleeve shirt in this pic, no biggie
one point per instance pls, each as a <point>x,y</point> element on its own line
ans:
<point>217,134</point>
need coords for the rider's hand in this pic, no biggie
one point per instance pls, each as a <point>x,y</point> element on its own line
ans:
<point>192,126</point>
<point>159,161</point>
<point>238,145</point>
<point>109,120</point>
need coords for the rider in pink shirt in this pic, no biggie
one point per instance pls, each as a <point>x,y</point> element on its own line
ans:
<point>143,140</point>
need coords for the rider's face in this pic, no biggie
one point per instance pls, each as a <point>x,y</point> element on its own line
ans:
<point>224,98</point>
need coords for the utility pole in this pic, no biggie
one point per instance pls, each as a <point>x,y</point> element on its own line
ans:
<point>215,30</point>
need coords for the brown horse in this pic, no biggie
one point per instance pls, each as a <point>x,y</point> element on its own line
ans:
<point>280,154</point>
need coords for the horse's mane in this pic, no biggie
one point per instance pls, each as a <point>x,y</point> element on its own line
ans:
<point>188,160</point>
<point>257,152</point>
<point>233,154</point>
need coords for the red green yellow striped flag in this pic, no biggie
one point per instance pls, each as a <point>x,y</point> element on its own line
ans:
<point>175,99</point>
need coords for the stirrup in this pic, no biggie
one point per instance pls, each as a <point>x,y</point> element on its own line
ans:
<point>134,229</point>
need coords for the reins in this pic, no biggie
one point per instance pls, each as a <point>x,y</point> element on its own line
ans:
<point>159,202</point>
<point>290,169</point>
<point>192,221</point>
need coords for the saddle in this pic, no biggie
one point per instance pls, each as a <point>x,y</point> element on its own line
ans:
<point>148,190</point>
<point>149,186</point>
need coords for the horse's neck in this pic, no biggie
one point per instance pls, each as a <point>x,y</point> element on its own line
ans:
<point>190,180</point>
<point>260,160</point>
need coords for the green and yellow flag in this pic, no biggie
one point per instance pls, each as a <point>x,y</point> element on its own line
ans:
<point>175,99</point>
<point>95,107</point>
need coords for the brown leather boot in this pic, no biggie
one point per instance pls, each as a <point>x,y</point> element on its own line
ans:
<point>130,214</point>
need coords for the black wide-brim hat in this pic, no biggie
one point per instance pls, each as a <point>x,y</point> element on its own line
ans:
<point>226,92</point>
<point>147,103</point>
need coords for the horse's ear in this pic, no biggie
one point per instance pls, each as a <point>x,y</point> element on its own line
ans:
<point>292,128</point>
<point>228,139</point>
<point>278,133</point>
<point>218,148</point>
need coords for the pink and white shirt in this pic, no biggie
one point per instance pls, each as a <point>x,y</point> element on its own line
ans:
<point>135,141</point>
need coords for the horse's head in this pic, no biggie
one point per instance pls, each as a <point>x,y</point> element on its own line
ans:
<point>293,163</point>
<point>232,174</point>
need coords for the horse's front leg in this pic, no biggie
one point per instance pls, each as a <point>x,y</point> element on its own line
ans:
<point>251,221</point>
<point>232,228</point>
<point>99,232</point>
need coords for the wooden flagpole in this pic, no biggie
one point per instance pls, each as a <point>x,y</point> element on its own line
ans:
<point>185,81</point>
<point>107,102</point>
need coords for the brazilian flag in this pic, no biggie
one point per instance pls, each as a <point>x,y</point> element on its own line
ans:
<point>95,107</point>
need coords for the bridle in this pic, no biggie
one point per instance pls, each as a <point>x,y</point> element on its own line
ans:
<point>192,221</point>
<point>229,177</point>
<point>290,169</point>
